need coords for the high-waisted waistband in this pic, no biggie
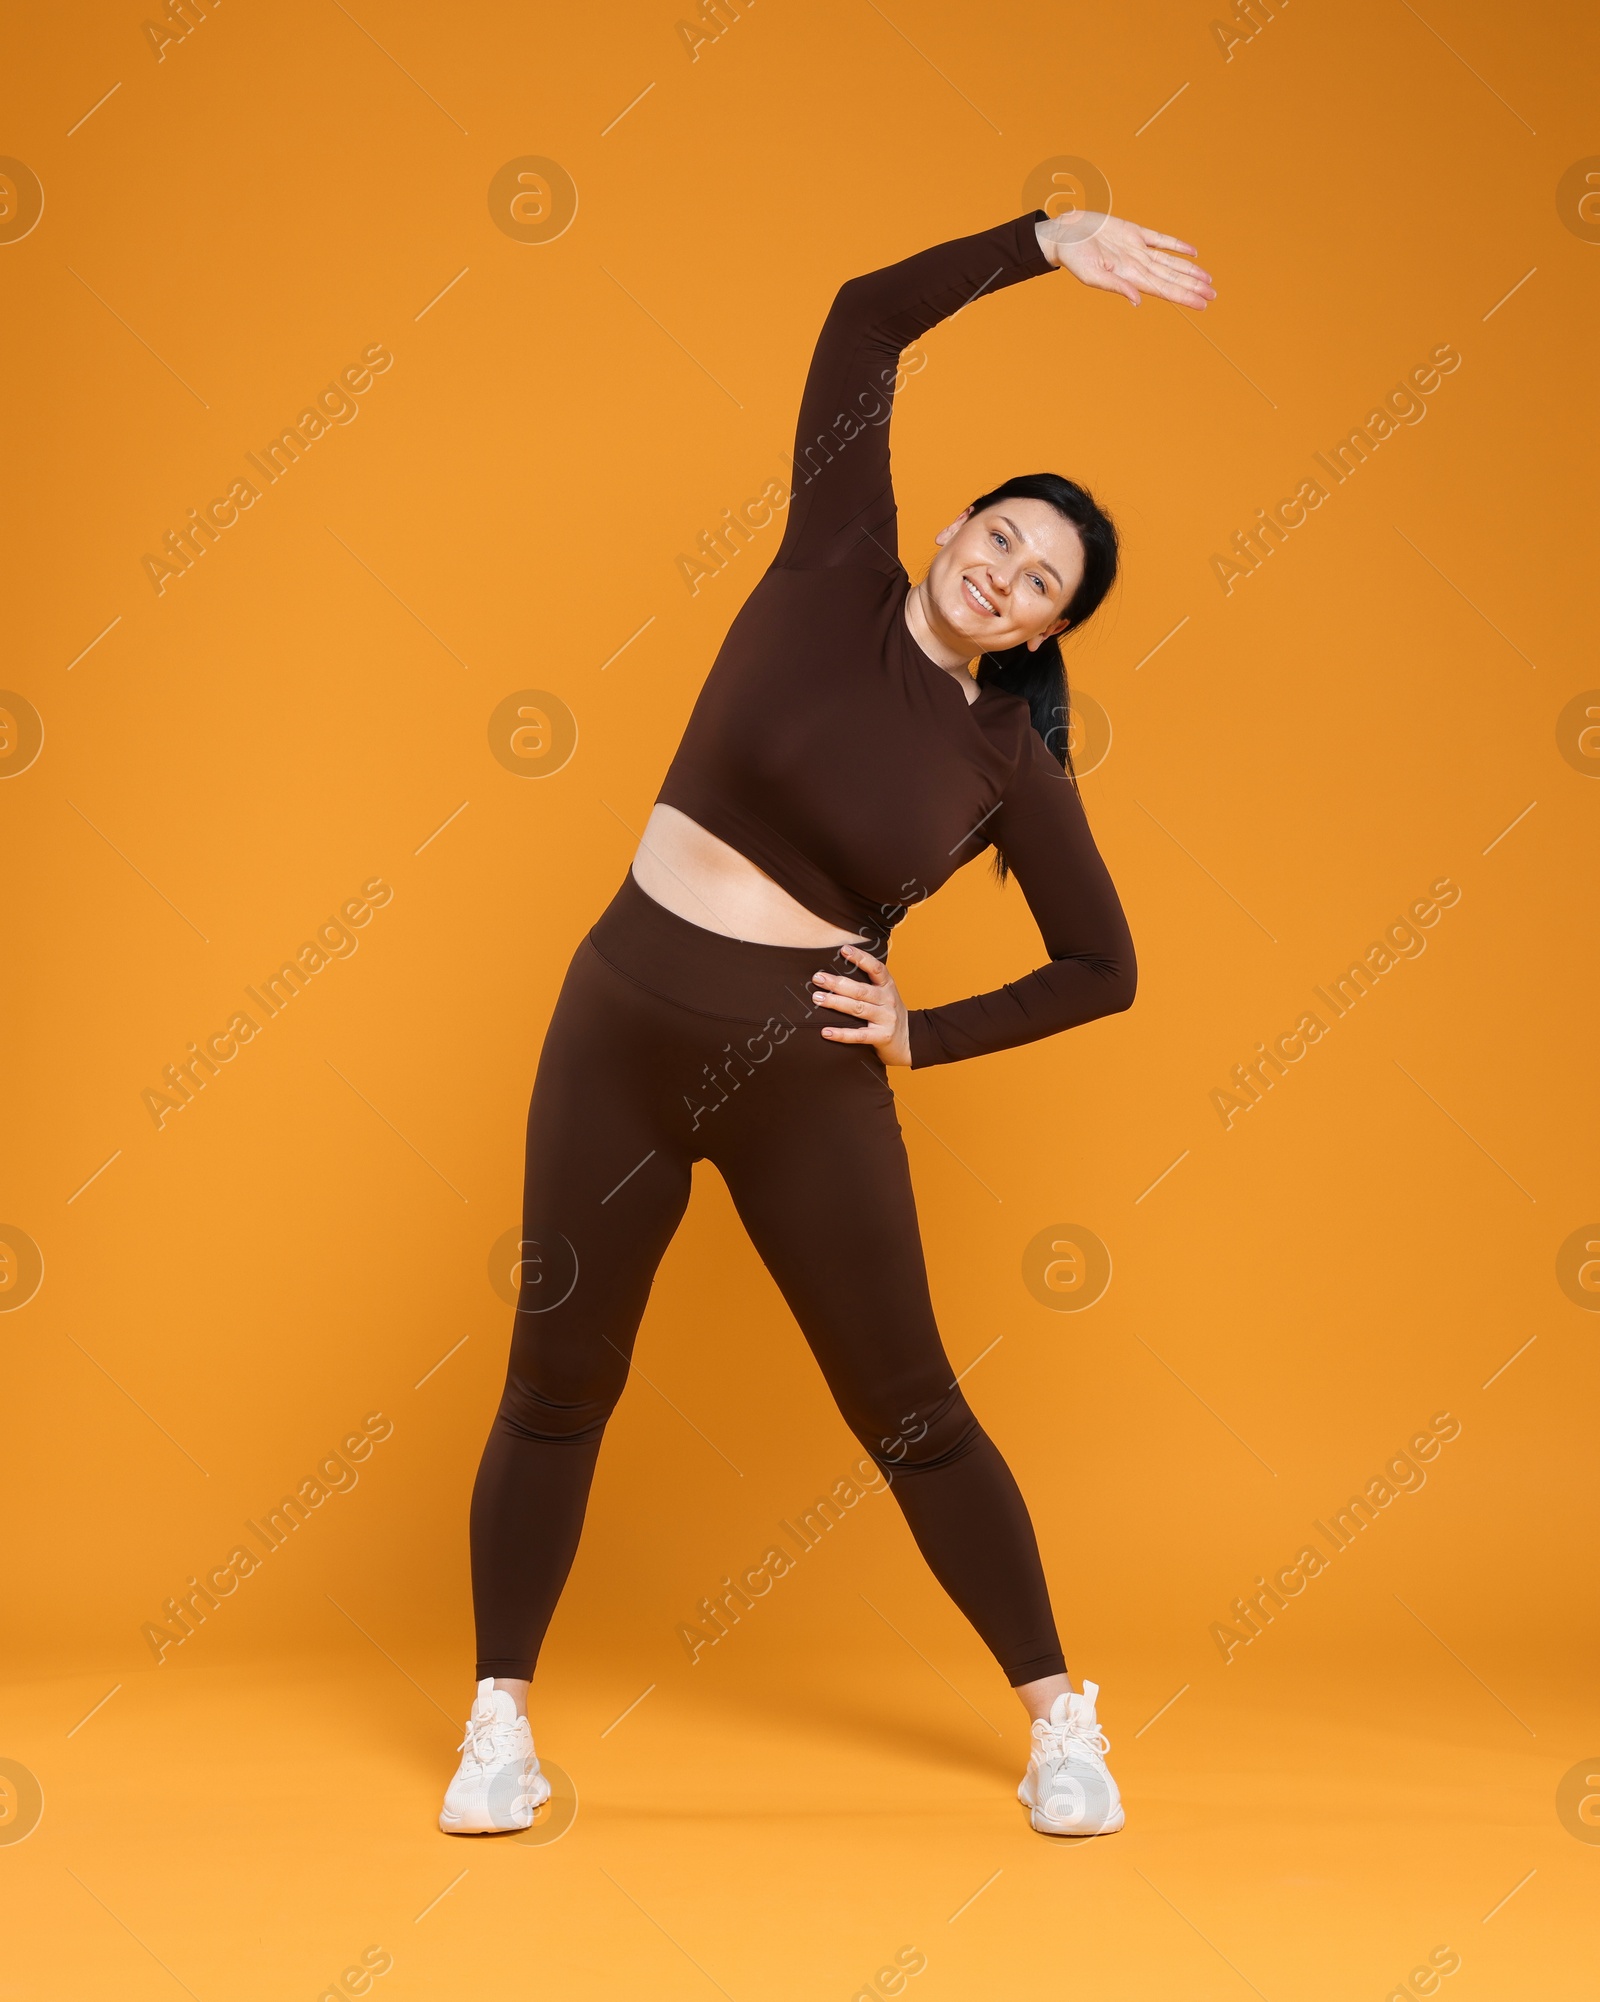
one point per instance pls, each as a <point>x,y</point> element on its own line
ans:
<point>705,970</point>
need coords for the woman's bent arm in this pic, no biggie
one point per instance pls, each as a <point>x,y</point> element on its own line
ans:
<point>1044,835</point>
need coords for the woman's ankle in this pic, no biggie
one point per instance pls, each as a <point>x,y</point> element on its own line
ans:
<point>517,1689</point>
<point>1037,1697</point>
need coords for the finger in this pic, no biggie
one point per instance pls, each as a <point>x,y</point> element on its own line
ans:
<point>1107,279</point>
<point>851,1004</point>
<point>874,1035</point>
<point>1159,242</point>
<point>837,982</point>
<point>875,969</point>
<point>1180,295</point>
<point>1180,265</point>
<point>1173,270</point>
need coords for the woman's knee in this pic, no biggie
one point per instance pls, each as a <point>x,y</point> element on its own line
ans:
<point>931,1434</point>
<point>535,1405</point>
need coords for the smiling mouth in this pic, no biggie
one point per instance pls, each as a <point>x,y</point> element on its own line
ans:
<point>978,601</point>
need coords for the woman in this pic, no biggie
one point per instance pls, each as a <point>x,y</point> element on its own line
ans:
<point>858,740</point>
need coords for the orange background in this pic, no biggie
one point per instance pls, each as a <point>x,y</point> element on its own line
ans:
<point>231,760</point>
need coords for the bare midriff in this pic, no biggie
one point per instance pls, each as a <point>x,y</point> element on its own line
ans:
<point>700,878</point>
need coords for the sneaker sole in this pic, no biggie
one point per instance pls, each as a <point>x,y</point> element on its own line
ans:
<point>1043,1825</point>
<point>521,1828</point>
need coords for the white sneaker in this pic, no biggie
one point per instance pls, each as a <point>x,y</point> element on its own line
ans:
<point>1066,1784</point>
<point>498,1783</point>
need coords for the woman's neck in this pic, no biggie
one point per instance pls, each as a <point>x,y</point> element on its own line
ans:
<point>956,661</point>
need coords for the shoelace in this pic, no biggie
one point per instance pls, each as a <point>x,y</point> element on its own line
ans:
<point>1058,1740</point>
<point>487,1739</point>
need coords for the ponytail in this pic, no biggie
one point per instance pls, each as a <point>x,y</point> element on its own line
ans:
<point>1040,676</point>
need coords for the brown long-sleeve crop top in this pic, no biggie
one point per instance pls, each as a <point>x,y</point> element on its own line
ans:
<point>832,752</point>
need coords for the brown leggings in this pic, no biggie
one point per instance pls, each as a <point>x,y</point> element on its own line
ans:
<point>672,1044</point>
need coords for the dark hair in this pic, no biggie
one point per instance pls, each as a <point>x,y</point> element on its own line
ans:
<point>1040,677</point>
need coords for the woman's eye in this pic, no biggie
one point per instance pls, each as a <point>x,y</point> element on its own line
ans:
<point>998,537</point>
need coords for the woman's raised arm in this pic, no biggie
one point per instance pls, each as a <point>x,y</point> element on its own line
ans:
<point>843,509</point>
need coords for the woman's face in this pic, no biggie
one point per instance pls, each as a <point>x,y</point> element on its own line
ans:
<point>1003,577</point>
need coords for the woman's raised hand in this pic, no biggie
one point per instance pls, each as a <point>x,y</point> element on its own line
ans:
<point>1118,256</point>
<point>875,1002</point>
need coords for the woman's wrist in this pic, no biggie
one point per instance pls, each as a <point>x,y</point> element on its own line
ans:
<point>1045,234</point>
